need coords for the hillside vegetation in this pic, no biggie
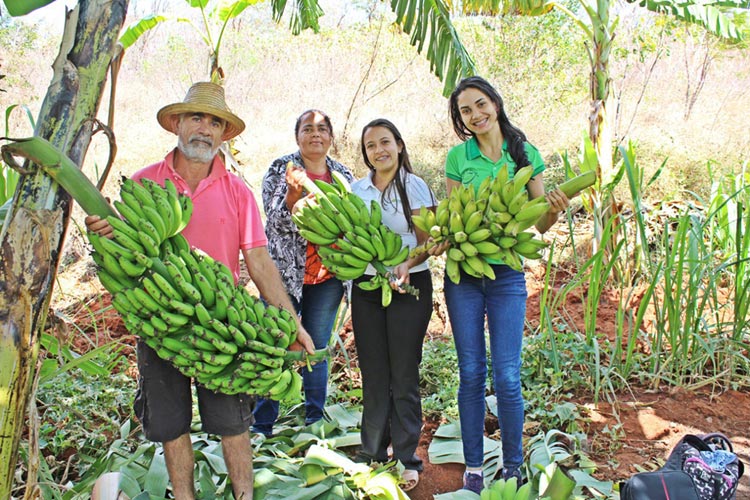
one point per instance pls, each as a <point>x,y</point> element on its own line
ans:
<point>679,94</point>
<point>660,305</point>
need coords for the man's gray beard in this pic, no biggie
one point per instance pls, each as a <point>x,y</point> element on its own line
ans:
<point>195,152</point>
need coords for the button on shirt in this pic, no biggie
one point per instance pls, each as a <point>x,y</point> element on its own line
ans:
<point>393,211</point>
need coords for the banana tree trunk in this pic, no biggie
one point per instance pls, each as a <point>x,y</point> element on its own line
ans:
<point>32,236</point>
<point>600,128</point>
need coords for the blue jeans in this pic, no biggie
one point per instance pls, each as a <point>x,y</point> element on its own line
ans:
<point>503,301</point>
<point>318,313</point>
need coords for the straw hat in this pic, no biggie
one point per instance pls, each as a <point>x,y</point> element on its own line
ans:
<point>203,97</point>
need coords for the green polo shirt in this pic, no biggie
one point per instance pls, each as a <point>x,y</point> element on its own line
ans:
<point>468,165</point>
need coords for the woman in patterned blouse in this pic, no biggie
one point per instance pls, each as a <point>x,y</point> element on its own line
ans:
<point>315,292</point>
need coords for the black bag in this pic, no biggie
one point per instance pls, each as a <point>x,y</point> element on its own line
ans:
<point>687,475</point>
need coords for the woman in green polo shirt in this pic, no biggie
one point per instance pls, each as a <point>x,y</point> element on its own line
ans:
<point>491,142</point>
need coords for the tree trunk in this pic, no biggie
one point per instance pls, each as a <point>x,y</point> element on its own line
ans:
<point>600,127</point>
<point>31,240</point>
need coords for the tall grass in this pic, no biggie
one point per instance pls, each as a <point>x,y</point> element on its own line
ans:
<point>693,279</point>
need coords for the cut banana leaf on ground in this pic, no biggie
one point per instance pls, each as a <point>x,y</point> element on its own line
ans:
<point>328,458</point>
<point>384,486</point>
<point>347,418</point>
<point>450,450</point>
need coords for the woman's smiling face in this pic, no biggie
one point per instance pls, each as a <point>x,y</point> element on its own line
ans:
<point>314,135</point>
<point>382,149</point>
<point>478,112</point>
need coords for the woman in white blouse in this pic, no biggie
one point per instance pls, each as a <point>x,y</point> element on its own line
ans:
<point>389,339</point>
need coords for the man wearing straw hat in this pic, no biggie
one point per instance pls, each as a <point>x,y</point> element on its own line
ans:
<point>225,222</point>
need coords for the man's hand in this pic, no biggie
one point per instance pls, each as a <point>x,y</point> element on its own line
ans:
<point>304,341</point>
<point>96,224</point>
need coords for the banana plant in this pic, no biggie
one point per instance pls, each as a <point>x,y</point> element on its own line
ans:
<point>215,17</point>
<point>724,18</point>
<point>428,23</point>
<point>33,231</point>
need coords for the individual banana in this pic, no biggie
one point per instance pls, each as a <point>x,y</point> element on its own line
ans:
<point>128,214</point>
<point>456,254</point>
<point>473,221</point>
<point>346,273</point>
<point>479,235</point>
<point>376,213</point>
<point>532,209</point>
<point>111,265</point>
<point>293,394</point>
<point>377,242</point>
<point>166,211</point>
<point>341,182</point>
<point>397,259</point>
<point>121,303</point>
<point>326,188</point>
<point>154,291</point>
<point>442,215</point>
<point>315,238</point>
<point>176,205</point>
<point>351,209</point>
<point>141,192</point>
<point>515,204</point>
<point>140,296</point>
<point>282,385</point>
<point>166,287</point>
<point>386,293</point>
<point>130,267</point>
<point>456,224</point>
<point>154,217</point>
<point>148,229</point>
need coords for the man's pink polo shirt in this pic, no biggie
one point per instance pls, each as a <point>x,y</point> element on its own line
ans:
<point>225,217</point>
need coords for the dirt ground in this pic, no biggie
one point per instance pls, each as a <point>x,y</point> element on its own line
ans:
<point>651,421</point>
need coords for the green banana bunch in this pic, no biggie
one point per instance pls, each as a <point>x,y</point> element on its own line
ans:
<point>490,223</point>
<point>153,212</point>
<point>460,220</point>
<point>350,234</point>
<point>510,213</point>
<point>503,489</point>
<point>186,306</point>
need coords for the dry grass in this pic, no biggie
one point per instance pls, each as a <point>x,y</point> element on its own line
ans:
<point>273,76</point>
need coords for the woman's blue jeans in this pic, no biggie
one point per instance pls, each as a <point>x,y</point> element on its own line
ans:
<point>318,313</point>
<point>503,302</point>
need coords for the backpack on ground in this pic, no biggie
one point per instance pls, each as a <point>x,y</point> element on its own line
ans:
<point>698,468</point>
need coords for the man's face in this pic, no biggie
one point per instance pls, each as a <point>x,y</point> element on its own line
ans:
<point>199,136</point>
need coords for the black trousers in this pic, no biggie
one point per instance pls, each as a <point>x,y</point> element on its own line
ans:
<point>389,348</point>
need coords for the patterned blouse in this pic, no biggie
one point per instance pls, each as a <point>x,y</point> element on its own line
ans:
<point>287,248</point>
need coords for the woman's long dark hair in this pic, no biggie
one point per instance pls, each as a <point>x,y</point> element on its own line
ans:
<point>512,134</point>
<point>397,182</point>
